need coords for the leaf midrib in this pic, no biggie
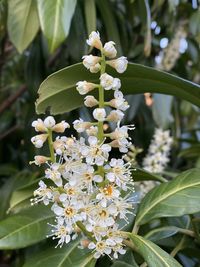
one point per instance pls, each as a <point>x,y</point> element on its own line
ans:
<point>56,23</point>
<point>25,226</point>
<point>154,251</point>
<point>162,198</point>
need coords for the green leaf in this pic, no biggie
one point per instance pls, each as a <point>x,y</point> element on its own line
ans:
<point>176,198</point>
<point>153,255</point>
<point>122,264</point>
<point>59,92</point>
<point>68,255</point>
<point>90,15</point>
<point>143,175</point>
<point>190,152</point>
<point>23,22</point>
<point>25,228</point>
<point>55,20</point>
<point>145,11</point>
<point>162,110</point>
<point>161,233</point>
<point>110,22</point>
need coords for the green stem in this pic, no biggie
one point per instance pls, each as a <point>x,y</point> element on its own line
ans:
<point>50,142</point>
<point>83,229</point>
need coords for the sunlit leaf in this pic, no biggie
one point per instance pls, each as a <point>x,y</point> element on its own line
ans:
<point>175,198</point>
<point>55,20</point>
<point>23,22</point>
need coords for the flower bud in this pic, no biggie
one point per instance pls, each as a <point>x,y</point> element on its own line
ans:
<point>115,116</point>
<point>49,122</point>
<point>84,87</point>
<point>92,131</point>
<point>38,160</point>
<point>90,101</point>
<point>120,64</point>
<point>39,126</point>
<point>110,50</point>
<point>90,61</point>
<point>80,125</point>
<point>39,140</point>
<point>99,114</point>
<point>108,82</point>
<point>60,127</point>
<point>94,40</point>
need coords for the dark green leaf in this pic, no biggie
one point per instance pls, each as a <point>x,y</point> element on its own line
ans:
<point>142,175</point>
<point>55,20</point>
<point>176,198</point>
<point>68,255</point>
<point>191,152</point>
<point>59,92</point>
<point>23,22</point>
<point>161,233</point>
<point>25,228</point>
<point>153,255</point>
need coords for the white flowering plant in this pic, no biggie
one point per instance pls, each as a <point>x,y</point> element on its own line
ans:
<point>87,203</point>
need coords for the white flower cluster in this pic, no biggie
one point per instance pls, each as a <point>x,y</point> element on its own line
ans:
<point>85,185</point>
<point>158,153</point>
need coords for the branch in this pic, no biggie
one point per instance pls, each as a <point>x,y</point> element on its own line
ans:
<point>11,99</point>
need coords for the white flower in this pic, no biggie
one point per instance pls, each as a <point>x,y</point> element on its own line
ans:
<point>94,40</point>
<point>54,174</point>
<point>90,101</point>
<point>49,122</point>
<point>39,140</point>
<point>43,193</point>
<point>119,173</point>
<point>121,138</point>
<point>110,50</point>
<point>92,63</point>
<point>158,152</point>
<point>84,87</point>
<point>119,102</point>
<point>101,248</point>
<point>95,153</point>
<point>107,194</point>
<point>115,115</point>
<point>60,127</point>
<point>108,82</point>
<point>99,114</point>
<point>120,64</point>
<point>61,232</point>
<point>39,126</point>
<point>80,125</point>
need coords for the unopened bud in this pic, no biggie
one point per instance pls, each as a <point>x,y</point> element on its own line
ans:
<point>60,127</point>
<point>90,101</point>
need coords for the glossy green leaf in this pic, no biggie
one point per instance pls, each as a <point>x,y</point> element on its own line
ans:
<point>23,22</point>
<point>68,255</point>
<point>55,20</point>
<point>161,233</point>
<point>143,175</point>
<point>25,228</point>
<point>59,92</point>
<point>152,254</point>
<point>175,198</point>
<point>90,15</point>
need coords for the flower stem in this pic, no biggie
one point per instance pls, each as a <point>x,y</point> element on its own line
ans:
<point>83,229</point>
<point>50,142</point>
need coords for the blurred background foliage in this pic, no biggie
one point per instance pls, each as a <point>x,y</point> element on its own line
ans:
<point>39,37</point>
